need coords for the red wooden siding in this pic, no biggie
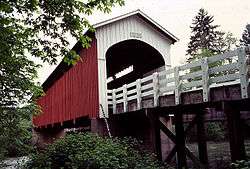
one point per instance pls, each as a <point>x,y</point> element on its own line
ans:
<point>74,94</point>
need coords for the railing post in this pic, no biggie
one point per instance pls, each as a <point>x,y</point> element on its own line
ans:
<point>156,88</point>
<point>247,50</point>
<point>205,79</point>
<point>138,93</point>
<point>243,72</point>
<point>177,85</point>
<point>125,98</point>
<point>114,100</point>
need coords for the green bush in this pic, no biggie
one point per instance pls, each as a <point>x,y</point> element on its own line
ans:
<point>89,151</point>
<point>242,164</point>
<point>215,131</point>
<point>15,139</point>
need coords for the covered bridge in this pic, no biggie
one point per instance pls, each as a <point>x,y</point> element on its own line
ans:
<point>126,77</point>
<point>122,50</point>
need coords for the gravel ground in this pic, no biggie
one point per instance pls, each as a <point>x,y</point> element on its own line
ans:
<point>13,163</point>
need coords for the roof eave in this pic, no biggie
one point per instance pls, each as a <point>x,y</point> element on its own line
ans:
<point>145,17</point>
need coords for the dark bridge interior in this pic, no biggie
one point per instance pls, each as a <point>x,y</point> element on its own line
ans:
<point>141,55</point>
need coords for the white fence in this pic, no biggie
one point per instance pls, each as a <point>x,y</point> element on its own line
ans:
<point>225,69</point>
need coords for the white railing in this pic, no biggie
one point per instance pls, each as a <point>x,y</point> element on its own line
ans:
<point>224,69</point>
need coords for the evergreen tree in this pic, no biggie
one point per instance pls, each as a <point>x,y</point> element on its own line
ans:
<point>204,35</point>
<point>246,36</point>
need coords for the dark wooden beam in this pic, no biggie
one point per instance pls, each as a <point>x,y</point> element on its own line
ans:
<point>171,155</point>
<point>194,159</point>
<point>180,141</point>
<point>218,94</point>
<point>236,140</point>
<point>242,104</point>
<point>246,125</point>
<point>191,125</point>
<point>155,132</point>
<point>182,108</point>
<point>167,132</point>
<point>201,138</point>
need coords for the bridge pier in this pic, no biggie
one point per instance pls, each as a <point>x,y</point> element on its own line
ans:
<point>155,133</point>
<point>201,136</point>
<point>236,138</point>
<point>97,126</point>
<point>180,141</point>
<point>180,150</point>
<point>44,136</point>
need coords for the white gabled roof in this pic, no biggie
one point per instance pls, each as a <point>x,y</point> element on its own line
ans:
<point>144,17</point>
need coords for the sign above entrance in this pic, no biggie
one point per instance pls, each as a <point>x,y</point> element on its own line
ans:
<point>135,35</point>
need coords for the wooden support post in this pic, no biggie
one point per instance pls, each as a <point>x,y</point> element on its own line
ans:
<point>156,88</point>
<point>180,141</point>
<point>171,155</point>
<point>114,100</point>
<point>168,133</point>
<point>236,140</point>
<point>201,136</point>
<point>243,72</point>
<point>155,132</point>
<point>191,125</point>
<point>138,90</point>
<point>205,78</point>
<point>177,85</point>
<point>125,98</point>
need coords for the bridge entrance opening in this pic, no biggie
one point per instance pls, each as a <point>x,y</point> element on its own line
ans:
<point>129,60</point>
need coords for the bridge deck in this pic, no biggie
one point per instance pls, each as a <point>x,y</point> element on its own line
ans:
<point>206,81</point>
<point>221,82</point>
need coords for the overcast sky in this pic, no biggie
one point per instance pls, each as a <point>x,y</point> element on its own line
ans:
<point>176,16</point>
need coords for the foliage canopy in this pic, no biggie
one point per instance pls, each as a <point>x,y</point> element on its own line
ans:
<point>245,40</point>
<point>37,29</point>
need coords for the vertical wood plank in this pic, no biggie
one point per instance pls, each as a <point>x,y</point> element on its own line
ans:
<point>114,100</point>
<point>180,141</point>
<point>205,79</point>
<point>125,98</point>
<point>74,94</point>
<point>243,72</point>
<point>155,132</point>
<point>247,51</point>
<point>201,136</point>
<point>138,93</point>
<point>236,138</point>
<point>156,88</point>
<point>177,85</point>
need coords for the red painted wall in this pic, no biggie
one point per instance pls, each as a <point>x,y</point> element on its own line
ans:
<point>74,94</point>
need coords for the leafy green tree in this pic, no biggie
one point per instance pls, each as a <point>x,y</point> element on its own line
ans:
<point>245,40</point>
<point>225,42</point>
<point>37,29</point>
